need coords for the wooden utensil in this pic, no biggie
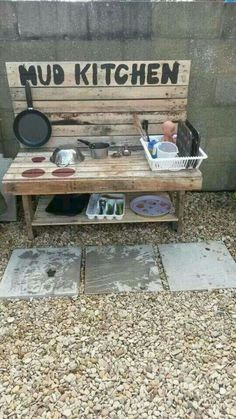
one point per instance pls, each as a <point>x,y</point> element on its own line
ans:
<point>139,127</point>
<point>145,127</point>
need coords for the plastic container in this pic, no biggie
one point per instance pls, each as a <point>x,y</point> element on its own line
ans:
<point>174,163</point>
<point>165,150</point>
<point>120,208</point>
<point>154,139</point>
<point>114,207</point>
<point>110,209</point>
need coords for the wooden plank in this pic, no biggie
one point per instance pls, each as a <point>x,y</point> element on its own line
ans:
<point>46,153</point>
<point>132,161</point>
<point>180,210</point>
<point>114,118</point>
<point>67,69</point>
<point>129,217</point>
<point>99,171</point>
<point>92,173</point>
<point>28,213</point>
<point>129,182</point>
<point>47,166</point>
<point>135,161</point>
<point>43,218</point>
<point>114,141</point>
<point>109,169</point>
<point>100,130</point>
<point>101,185</point>
<point>23,158</point>
<point>101,93</point>
<point>106,106</point>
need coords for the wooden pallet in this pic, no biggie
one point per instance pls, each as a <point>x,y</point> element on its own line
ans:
<point>98,101</point>
<point>101,108</point>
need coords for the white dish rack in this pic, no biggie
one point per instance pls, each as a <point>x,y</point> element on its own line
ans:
<point>174,163</point>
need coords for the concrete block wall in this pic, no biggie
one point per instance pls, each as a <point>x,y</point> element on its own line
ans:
<point>203,31</point>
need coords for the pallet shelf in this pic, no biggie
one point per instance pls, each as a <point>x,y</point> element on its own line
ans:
<point>41,217</point>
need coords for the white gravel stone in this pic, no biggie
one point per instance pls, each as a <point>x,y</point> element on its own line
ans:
<point>222,391</point>
<point>144,355</point>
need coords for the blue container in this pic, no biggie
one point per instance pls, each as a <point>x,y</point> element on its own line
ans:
<point>150,148</point>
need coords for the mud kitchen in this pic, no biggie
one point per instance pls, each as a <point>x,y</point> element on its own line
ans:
<point>106,73</point>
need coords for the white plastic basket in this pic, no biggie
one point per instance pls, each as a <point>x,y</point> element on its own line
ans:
<point>174,163</point>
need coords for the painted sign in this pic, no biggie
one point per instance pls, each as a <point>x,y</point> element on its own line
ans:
<point>99,73</point>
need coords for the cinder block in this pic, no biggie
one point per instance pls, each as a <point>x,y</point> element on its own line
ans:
<point>156,49</point>
<point>105,20</point>
<point>49,23</point>
<point>10,213</point>
<point>229,21</point>
<point>186,20</point>
<point>89,50</point>
<point>221,149</point>
<point>54,20</point>
<point>5,97</point>
<point>226,57</point>
<point>119,20</point>
<point>5,101</point>
<point>219,176</point>
<point>225,93</point>
<point>201,89</point>
<point>27,51</point>
<point>10,143</point>
<point>8,21</point>
<point>204,56</point>
<point>213,121</point>
<point>72,20</point>
<point>1,141</point>
<point>137,18</point>
<point>28,17</point>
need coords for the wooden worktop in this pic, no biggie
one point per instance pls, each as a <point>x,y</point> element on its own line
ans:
<point>125,174</point>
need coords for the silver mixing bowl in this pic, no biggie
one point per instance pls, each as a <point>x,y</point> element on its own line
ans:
<point>66,155</point>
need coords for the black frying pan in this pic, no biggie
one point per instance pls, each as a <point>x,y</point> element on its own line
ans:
<point>31,127</point>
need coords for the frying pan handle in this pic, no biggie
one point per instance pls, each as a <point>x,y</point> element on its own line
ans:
<point>28,95</point>
<point>84,142</point>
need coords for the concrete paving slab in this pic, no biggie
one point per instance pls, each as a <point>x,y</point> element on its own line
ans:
<point>42,272</point>
<point>114,269</point>
<point>198,266</point>
<point>10,214</point>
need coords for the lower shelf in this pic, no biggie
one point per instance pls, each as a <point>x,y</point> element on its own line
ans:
<point>41,217</point>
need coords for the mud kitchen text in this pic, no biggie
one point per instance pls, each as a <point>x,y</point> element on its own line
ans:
<point>100,74</point>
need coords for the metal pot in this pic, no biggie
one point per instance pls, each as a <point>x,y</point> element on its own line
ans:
<point>98,150</point>
<point>66,155</point>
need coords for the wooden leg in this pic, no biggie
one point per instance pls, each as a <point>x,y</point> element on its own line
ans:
<point>180,210</point>
<point>28,211</point>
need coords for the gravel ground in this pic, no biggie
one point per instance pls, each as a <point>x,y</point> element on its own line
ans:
<point>165,355</point>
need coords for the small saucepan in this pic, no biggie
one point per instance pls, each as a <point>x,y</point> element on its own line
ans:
<point>98,150</point>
